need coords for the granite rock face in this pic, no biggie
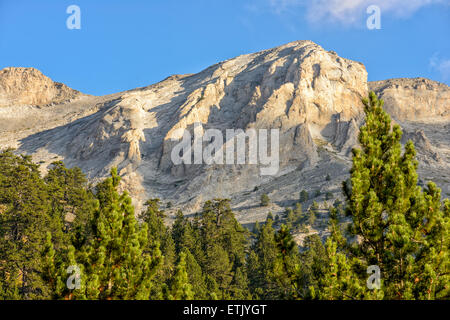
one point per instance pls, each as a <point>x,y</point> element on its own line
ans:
<point>28,86</point>
<point>415,99</point>
<point>312,96</point>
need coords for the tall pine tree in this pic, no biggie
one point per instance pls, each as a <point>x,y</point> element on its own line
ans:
<point>396,225</point>
<point>118,263</point>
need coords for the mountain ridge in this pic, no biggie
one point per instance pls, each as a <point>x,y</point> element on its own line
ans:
<point>311,95</point>
<point>20,86</point>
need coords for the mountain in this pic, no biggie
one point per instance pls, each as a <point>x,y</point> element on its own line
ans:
<point>28,86</point>
<point>417,99</point>
<point>311,95</point>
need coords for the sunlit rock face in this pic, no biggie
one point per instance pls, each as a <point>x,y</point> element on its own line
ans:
<point>28,86</point>
<point>417,99</point>
<point>310,95</point>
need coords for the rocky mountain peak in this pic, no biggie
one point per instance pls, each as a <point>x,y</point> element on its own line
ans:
<point>311,95</point>
<point>417,99</point>
<point>28,86</point>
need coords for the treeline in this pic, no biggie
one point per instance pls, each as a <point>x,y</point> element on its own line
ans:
<point>61,238</point>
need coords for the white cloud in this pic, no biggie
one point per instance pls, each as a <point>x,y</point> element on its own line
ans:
<point>440,65</point>
<point>349,12</point>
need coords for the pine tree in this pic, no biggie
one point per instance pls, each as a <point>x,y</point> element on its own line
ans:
<point>256,227</point>
<point>261,264</point>
<point>298,214</point>
<point>290,217</point>
<point>401,228</point>
<point>196,277</point>
<point>339,281</point>
<point>239,289</point>
<point>265,200</point>
<point>169,254</point>
<point>312,213</point>
<point>24,223</point>
<point>180,288</point>
<point>72,203</point>
<point>313,266</point>
<point>304,196</point>
<point>154,218</point>
<point>287,266</point>
<point>159,237</point>
<point>117,263</point>
<point>178,229</point>
<point>187,238</point>
<point>224,242</point>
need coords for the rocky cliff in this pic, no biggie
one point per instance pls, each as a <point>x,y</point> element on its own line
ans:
<point>28,86</point>
<point>415,99</point>
<point>311,95</point>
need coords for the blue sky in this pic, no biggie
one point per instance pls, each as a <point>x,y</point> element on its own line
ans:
<point>126,44</point>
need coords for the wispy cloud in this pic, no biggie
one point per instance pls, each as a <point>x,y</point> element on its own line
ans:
<point>441,65</point>
<point>348,12</point>
<point>281,6</point>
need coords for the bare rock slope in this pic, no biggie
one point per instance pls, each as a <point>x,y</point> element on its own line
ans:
<point>311,95</point>
<point>417,99</point>
<point>28,86</point>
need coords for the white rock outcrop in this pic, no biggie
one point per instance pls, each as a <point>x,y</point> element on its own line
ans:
<point>28,86</point>
<point>311,95</point>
